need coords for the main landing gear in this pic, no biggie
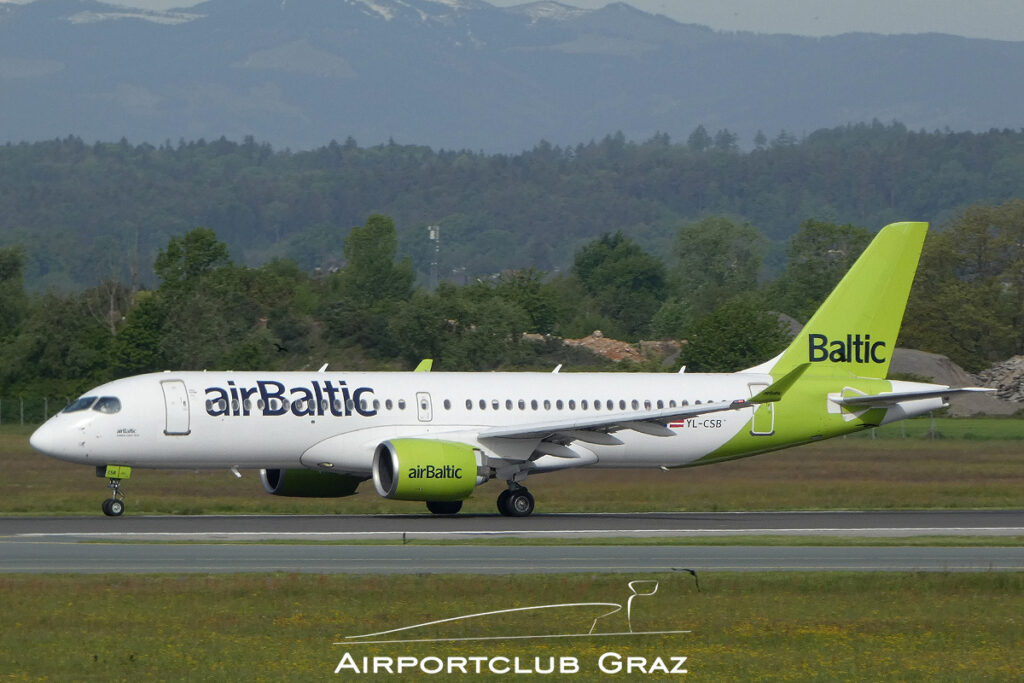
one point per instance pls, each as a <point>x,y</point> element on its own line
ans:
<point>515,501</point>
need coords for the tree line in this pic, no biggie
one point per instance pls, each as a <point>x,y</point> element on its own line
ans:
<point>209,312</point>
<point>88,213</point>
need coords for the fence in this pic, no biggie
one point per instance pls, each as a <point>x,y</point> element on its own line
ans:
<point>29,410</point>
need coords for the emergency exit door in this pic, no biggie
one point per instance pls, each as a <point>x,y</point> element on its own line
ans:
<point>424,409</point>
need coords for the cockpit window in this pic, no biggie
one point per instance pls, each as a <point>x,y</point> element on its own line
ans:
<point>108,404</point>
<point>83,403</point>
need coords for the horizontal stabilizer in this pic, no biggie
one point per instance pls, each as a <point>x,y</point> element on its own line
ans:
<point>885,400</point>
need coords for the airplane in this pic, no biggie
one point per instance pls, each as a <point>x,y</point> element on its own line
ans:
<point>436,436</point>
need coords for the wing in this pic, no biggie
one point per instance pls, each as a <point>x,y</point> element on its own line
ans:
<point>599,429</point>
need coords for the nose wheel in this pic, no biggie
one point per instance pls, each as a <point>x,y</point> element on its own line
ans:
<point>114,506</point>
<point>516,502</point>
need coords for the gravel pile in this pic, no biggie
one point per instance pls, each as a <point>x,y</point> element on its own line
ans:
<point>1007,378</point>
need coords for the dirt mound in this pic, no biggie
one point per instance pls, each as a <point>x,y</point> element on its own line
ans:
<point>616,350</point>
<point>933,366</point>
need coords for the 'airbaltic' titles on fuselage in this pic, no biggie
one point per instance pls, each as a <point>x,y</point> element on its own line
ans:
<point>318,398</point>
<point>854,350</point>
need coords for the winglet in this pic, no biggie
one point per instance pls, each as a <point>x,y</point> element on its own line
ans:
<point>425,365</point>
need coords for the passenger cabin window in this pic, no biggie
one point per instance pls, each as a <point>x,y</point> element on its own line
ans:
<point>83,403</point>
<point>108,405</point>
<point>447,404</point>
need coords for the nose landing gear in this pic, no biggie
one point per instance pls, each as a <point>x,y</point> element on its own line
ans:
<point>114,506</point>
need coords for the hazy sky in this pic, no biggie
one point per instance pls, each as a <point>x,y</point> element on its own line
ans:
<point>999,19</point>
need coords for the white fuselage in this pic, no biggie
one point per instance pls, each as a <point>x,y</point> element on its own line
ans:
<point>336,419</point>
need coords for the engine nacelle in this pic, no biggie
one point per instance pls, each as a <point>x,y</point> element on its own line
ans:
<point>426,469</point>
<point>308,483</point>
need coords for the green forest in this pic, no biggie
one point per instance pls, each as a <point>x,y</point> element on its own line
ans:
<point>208,312</point>
<point>118,259</point>
<point>86,213</point>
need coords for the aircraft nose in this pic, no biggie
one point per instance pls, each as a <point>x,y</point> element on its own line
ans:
<point>42,439</point>
<point>47,440</point>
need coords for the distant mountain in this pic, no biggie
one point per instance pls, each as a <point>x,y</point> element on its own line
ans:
<point>465,74</point>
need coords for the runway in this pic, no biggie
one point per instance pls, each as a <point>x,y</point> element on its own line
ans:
<point>565,526</point>
<point>73,557</point>
<point>203,544</point>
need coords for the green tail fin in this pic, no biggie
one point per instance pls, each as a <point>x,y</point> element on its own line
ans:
<point>856,328</point>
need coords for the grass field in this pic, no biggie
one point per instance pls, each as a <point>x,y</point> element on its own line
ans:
<point>743,627</point>
<point>850,473</point>
<point>779,627</point>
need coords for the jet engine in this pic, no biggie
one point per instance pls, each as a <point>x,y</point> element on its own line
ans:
<point>309,483</point>
<point>427,469</point>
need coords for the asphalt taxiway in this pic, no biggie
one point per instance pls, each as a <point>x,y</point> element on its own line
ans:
<point>208,543</point>
<point>567,526</point>
<point>73,557</point>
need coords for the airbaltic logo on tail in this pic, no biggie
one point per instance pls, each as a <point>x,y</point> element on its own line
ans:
<point>855,349</point>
